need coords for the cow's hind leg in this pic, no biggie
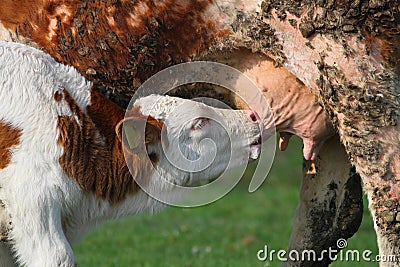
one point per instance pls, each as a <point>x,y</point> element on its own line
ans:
<point>330,207</point>
<point>384,204</point>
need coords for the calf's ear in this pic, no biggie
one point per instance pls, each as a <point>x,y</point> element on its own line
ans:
<point>135,133</point>
<point>131,132</point>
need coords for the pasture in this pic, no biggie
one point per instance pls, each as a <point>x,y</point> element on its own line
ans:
<point>228,232</point>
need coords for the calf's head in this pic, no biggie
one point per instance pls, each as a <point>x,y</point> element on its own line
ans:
<point>188,141</point>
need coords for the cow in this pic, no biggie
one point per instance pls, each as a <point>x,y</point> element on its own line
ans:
<point>71,158</point>
<point>339,57</point>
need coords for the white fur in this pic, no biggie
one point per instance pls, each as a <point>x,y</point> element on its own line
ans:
<point>49,210</point>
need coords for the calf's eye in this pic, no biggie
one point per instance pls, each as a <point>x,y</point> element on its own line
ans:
<point>199,123</point>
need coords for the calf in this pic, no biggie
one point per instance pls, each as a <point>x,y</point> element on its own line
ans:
<point>70,159</point>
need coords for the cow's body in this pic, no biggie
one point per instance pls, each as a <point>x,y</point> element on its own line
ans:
<point>348,54</point>
<point>63,166</point>
<point>118,45</point>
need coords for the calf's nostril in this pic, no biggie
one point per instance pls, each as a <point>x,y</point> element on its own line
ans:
<point>252,115</point>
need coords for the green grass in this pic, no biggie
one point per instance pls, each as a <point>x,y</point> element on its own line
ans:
<point>228,232</point>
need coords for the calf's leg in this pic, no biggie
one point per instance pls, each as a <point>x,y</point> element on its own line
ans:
<point>37,235</point>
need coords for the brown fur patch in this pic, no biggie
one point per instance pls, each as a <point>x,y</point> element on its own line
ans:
<point>113,41</point>
<point>57,97</point>
<point>385,46</point>
<point>9,16</point>
<point>105,115</point>
<point>93,155</point>
<point>9,137</point>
